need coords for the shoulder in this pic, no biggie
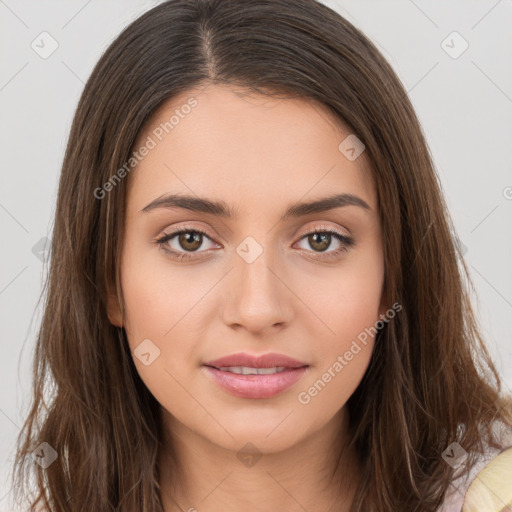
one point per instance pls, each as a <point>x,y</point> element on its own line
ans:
<point>487,486</point>
<point>491,489</point>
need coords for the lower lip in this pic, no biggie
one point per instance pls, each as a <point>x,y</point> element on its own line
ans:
<point>256,386</point>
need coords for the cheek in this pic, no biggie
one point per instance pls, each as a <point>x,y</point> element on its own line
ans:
<point>343,353</point>
<point>152,325</point>
<point>152,307</point>
<point>155,296</point>
<point>348,300</point>
<point>349,307</point>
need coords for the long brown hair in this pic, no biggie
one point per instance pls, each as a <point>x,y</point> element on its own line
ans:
<point>430,381</point>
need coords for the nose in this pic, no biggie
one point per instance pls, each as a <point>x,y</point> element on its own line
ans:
<point>258,297</point>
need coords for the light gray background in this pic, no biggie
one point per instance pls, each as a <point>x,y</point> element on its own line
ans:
<point>464,105</point>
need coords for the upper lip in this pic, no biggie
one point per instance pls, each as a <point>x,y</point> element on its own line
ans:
<point>262,361</point>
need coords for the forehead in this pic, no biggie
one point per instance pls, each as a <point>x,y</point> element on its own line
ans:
<point>246,149</point>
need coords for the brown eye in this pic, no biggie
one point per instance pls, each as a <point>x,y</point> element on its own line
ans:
<point>185,243</point>
<point>319,241</point>
<point>190,240</point>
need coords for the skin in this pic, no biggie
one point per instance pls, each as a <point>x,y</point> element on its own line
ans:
<point>259,155</point>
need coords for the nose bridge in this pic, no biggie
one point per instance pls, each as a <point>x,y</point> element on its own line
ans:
<point>259,297</point>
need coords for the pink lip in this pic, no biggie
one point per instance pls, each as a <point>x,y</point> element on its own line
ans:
<point>256,386</point>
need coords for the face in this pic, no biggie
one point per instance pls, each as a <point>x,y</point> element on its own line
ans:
<point>203,281</point>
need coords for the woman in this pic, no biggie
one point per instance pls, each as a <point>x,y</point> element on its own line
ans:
<point>255,300</point>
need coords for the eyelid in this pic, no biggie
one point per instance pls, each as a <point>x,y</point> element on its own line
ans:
<point>323,227</point>
<point>300,234</point>
<point>166,236</point>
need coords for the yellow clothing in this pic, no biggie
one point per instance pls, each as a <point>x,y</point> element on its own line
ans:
<point>491,490</point>
<point>487,487</point>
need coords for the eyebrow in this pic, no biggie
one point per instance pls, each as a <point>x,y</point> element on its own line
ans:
<point>221,209</point>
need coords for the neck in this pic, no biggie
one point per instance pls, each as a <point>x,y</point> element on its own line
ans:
<point>318,474</point>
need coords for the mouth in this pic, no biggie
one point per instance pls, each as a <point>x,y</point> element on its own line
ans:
<point>247,376</point>
<point>248,370</point>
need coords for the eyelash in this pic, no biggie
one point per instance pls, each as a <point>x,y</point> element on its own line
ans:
<point>346,243</point>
